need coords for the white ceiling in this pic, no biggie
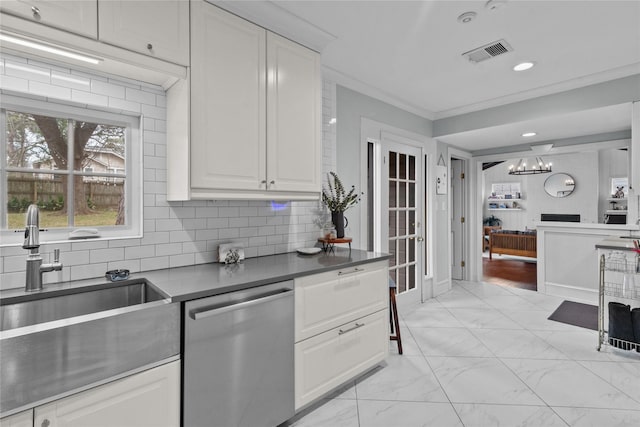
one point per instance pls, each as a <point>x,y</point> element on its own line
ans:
<point>409,53</point>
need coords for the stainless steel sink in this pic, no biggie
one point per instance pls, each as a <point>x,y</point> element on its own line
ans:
<point>55,343</point>
<point>84,301</point>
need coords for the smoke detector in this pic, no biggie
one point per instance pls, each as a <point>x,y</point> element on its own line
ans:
<point>488,51</point>
<point>467,17</point>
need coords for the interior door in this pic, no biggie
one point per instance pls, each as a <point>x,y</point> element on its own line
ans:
<point>457,219</point>
<point>402,228</point>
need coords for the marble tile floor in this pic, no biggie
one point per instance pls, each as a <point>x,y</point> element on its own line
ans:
<point>485,355</point>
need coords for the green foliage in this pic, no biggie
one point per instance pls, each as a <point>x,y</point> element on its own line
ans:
<point>18,205</point>
<point>491,221</point>
<point>54,204</point>
<point>336,198</point>
<point>90,203</point>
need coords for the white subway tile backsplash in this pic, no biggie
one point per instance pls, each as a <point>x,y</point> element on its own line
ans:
<point>88,271</point>
<point>70,81</point>
<point>175,233</point>
<point>13,83</point>
<point>156,263</point>
<point>140,97</point>
<point>111,89</point>
<point>126,106</point>
<point>50,91</point>
<point>169,249</point>
<point>181,260</point>
<point>154,112</point>
<point>106,255</point>
<point>136,252</point>
<point>88,98</point>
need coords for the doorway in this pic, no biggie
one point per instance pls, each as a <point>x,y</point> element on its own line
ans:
<point>458,235</point>
<point>396,179</point>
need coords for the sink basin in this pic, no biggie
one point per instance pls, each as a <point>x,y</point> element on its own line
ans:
<point>55,343</point>
<point>83,301</point>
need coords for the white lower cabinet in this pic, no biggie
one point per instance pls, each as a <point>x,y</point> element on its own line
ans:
<point>342,328</point>
<point>21,419</point>
<point>150,398</point>
<point>325,361</point>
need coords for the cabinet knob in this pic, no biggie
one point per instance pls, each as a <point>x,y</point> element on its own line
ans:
<point>149,46</point>
<point>36,12</point>
<point>45,423</point>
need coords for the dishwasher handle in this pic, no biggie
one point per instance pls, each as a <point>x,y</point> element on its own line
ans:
<point>260,299</point>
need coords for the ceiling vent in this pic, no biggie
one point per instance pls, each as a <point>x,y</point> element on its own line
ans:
<point>488,51</point>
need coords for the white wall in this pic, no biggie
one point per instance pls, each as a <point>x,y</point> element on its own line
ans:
<point>583,167</point>
<point>175,233</point>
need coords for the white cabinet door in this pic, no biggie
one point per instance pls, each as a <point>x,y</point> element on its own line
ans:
<point>228,91</point>
<point>150,398</point>
<point>158,28</point>
<point>75,16</point>
<point>326,361</point>
<point>21,419</point>
<point>294,150</point>
<point>327,300</point>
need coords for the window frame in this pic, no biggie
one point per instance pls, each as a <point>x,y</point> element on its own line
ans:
<point>133,175</point>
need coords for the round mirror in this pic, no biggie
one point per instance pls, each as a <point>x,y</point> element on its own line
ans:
<point>559,185</point>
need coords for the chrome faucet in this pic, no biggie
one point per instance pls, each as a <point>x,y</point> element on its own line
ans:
<point>35,268</point>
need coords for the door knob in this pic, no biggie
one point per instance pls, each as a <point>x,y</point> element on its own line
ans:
<point>420,239</point>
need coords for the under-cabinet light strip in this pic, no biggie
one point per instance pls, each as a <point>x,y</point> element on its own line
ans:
<point>48,48</point>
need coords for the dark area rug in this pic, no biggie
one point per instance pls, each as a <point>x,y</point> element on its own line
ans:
<point>576,314</point>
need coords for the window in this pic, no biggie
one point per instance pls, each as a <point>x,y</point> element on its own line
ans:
<point>75,163</point>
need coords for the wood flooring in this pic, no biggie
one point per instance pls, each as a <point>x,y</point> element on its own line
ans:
<point>510,272</point>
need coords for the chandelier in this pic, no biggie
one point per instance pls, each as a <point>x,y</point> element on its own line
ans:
<point>538,167</point>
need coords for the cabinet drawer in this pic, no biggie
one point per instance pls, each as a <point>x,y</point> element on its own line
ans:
<point>328,360</point>
<point>327,300</point>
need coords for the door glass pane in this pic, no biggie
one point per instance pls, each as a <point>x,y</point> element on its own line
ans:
<point>402,279</point>
<point>402,223</point>
<point>402,163</point>
<point>392,224</point>
<point>402,194</point>
<point>412,277</point>
<point>412,168</point>
<point>392,165</point>
<point>412,250</point>
<point>402,251</point>
<point>412,222</point>
<point>392,194</point>
<point>412,195</point>
<point>393,261</point>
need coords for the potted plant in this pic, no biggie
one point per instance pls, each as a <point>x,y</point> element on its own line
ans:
<point>338,200</point>
<point>492,221</point>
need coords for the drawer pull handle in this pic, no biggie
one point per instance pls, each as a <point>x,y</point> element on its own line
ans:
<point>355,270</point>
<point>358,325</point>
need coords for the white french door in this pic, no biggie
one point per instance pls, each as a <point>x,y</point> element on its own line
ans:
<point>401,217</point>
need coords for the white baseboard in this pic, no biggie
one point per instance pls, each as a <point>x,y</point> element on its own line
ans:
<point>573,293</point>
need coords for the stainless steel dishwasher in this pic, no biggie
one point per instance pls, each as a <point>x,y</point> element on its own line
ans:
<point>238,358</point>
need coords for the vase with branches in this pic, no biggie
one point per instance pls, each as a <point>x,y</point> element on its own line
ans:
<point>338,200</point>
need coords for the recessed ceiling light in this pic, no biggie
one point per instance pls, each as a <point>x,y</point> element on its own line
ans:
<point>529,134</point>
<point>523,66</point>
<point>467,17</point>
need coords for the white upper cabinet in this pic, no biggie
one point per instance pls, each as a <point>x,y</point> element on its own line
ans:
<point>158,28</point>
<point>228,101</point>
<point>293,116</point>
<point>75,16</point>
<point>255,106</point>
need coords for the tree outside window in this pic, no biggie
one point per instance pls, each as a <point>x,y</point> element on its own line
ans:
<point>66,166</point>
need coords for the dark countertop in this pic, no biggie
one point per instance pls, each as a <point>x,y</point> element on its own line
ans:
<point>203,280</point>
